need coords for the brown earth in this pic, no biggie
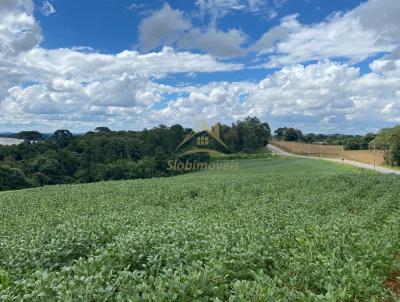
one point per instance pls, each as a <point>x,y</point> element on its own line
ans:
<point>331,151</point>
<point>393,284</point>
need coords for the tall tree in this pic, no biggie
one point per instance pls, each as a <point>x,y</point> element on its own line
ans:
<point>62,137</point>
<point>252,134</point>
<point>29,136</point>
<point>102,130</point>
<point>279,133</point>
<point>389,139</point>
<point>292,134</point>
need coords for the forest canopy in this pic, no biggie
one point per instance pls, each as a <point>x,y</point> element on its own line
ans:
<point>104,154</point>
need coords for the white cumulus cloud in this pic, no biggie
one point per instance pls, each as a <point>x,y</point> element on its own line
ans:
<point>368,29</point>
<point>171,27</point>
<point>19,30</point>
<point>163,27</point>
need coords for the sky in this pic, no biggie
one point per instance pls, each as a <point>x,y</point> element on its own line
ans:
<point>321,66</point>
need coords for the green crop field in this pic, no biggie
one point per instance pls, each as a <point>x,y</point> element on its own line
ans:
<point>274,230</point>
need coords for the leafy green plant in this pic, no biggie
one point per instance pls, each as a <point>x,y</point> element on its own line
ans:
<point>274,230</point>
<point>4,280</point>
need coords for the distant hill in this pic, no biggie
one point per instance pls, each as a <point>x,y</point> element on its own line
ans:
<point>8,134</point>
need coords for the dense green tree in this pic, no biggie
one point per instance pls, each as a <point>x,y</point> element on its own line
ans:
<point>393,156</point>
<point>12,178</point>
<point>104,154</point>
<point>310,138</point>
<point>279,133</point>
<point>30,136</point>
<point>248,135</point>
<point>52,168</point>
<point>231,138</point>
<point>176,135</point>
<point>288,134</point>
<point>292,134</point>
<point>102,130</point>
<point>388,139</point>
<point>40,179</point>
<point>62,137</point>
<point>255,134</point>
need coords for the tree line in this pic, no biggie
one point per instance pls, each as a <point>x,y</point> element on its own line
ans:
<point>103,154</point>
<point>350,142</point>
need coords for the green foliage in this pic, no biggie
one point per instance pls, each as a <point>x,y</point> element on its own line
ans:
<point>30,135</point>
<point>288,134</point>
<point>275,230</point>
<point>102,130</point>
<point>249,135</point>
<point>113,155</point>
<point>4,280</point>
<point>62,137</point>
<point>393,156</point>
<point>241,155</point>
<point>389,140</point>
<point>95,156</point>
<point>12,178</point>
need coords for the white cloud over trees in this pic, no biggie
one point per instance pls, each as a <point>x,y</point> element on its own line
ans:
<point>312,89</point>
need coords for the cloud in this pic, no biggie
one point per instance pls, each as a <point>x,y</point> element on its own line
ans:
<point>54,88</point>
<point>388,64</point>
<point>381,87</point>
<point>162,28</point>
<point>79,88</point>
<point>32,100</point>
<point>61,84</point>
<point>266,44</point>
<point>327,95</point>
<point>324,97</point>
<point>381,16</point>
<point>19,30</point>
<point>170,27</point>
<point>19,33</point>
<point>45,64</point>
<point>332,95</point>
<point>314,90</point>
<point>214,41</point>
<point>368,29</point>
<point>214,101</point>
<point>220,8</point>
<point>47,8</point>
<point>318,90</point>
<point>123,91</point>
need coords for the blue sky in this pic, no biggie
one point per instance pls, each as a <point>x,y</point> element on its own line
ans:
<point>322,66</point>
<point>110,26</point>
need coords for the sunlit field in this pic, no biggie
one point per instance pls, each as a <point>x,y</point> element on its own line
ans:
<point>287,230</point>
<point>332,151</point>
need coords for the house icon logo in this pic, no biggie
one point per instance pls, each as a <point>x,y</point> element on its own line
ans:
<point>202,141</point>
<point>206,141</point>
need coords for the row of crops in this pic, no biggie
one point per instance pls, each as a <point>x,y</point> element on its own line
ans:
<point>281,230</point>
